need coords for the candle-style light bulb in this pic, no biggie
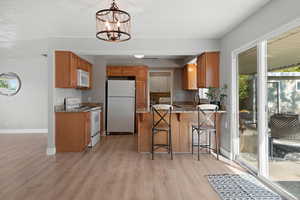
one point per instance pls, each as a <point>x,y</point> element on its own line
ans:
<point>107,25</point>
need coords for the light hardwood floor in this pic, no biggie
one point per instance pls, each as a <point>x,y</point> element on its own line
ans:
<point>112,171</point>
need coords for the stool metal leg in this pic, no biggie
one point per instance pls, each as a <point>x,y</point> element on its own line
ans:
<point>152,148</point>
<point>217,145</point>
<point>170,147</point>
<point>198,144</point>
<point>168,141</point>
<point>209,142</point>
<point>192,141</point>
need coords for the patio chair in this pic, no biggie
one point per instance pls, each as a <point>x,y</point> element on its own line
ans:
<point>285,134</point>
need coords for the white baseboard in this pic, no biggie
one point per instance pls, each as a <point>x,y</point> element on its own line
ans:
<point>22,131</point>
<point>226,153</point>
<point>51,151</point>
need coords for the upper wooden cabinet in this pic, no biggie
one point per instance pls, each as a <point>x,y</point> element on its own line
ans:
<point>139,72</point>
<point>114,71</point>
<point>208,70</point>
<point>66,65</point>
<point>189,77</point>
<point>141,81</point>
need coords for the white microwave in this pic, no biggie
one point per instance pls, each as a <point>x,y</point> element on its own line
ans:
<point>83,78</point>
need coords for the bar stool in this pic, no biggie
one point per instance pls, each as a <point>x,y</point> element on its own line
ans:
<point>161,122</point>
<point>207,117</point>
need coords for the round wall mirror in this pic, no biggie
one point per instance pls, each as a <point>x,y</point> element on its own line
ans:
<point>10,84</point>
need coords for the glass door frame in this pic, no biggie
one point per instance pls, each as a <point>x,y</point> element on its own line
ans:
<point>262,169</point>
<point>262,105</point>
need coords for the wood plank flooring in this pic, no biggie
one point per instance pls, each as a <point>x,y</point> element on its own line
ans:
<point>113,170</point>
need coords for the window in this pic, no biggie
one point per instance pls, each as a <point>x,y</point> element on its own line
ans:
<point>10,84</point>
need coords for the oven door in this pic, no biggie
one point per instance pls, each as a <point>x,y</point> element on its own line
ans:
<point>95,122</point>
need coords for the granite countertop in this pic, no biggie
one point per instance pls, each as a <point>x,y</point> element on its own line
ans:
<point>179,109</point>
<point>85,107</point>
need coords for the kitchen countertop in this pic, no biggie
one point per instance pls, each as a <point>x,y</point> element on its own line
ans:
<point>86,107</point>
<point>179,109</point>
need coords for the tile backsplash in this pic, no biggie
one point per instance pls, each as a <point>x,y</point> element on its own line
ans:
<point>62,93</point>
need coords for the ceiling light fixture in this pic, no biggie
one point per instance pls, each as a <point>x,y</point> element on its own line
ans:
<point>140,56</point>
<point>113,24</point>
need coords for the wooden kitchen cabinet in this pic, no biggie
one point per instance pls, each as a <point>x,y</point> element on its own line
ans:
<point>189,77</point>
<point>208,70</point>
<point>66,65</point>
<point>141,86</point>
<point>141,94</point>
<point>72,131</point>
<point>90,70</point>
<point>130,71</point>
<point>140,73</point>
<point>114,71</point>
<point>65,69</point>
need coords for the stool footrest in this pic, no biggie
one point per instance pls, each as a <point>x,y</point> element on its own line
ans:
<point>201,145</point>
<point>161,145</point>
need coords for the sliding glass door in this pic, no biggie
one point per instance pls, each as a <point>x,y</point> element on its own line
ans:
<point>247,101</point>
<point>283,72</point>
<point>268,107</point>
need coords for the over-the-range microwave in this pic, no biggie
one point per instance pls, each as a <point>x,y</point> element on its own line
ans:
<point>83,78</point>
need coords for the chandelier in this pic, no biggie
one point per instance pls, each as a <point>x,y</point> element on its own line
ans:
<point>113,24</point>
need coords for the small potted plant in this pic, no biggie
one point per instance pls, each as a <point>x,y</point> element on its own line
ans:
<point>223,96</point>
<point>217,96</point>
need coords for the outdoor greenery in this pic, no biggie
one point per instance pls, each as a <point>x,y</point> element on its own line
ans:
<point>245,84</point>
<point>244,90</point>
<point>289,69</point>
<point>217,94</point>
<point>3,84</point>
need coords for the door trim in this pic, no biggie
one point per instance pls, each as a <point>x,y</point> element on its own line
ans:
<point>261,43</point>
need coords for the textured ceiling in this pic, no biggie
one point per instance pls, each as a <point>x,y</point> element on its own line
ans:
<point>283,51</point>
<point>32,19</point>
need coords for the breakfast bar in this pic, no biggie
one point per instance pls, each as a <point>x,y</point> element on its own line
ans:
<point>182,119</point>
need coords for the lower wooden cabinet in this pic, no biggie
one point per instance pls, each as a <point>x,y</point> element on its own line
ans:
<point>72,131</point>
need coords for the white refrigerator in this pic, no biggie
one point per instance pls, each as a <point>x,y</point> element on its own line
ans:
<point>120,106</point>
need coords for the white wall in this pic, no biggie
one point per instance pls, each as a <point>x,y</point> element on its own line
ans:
<point>153,63</point>
<point>97,93</point>
<point>275,14</point>
<point>26,111</point>
<point>93,46</point>
<point>181,95</point>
